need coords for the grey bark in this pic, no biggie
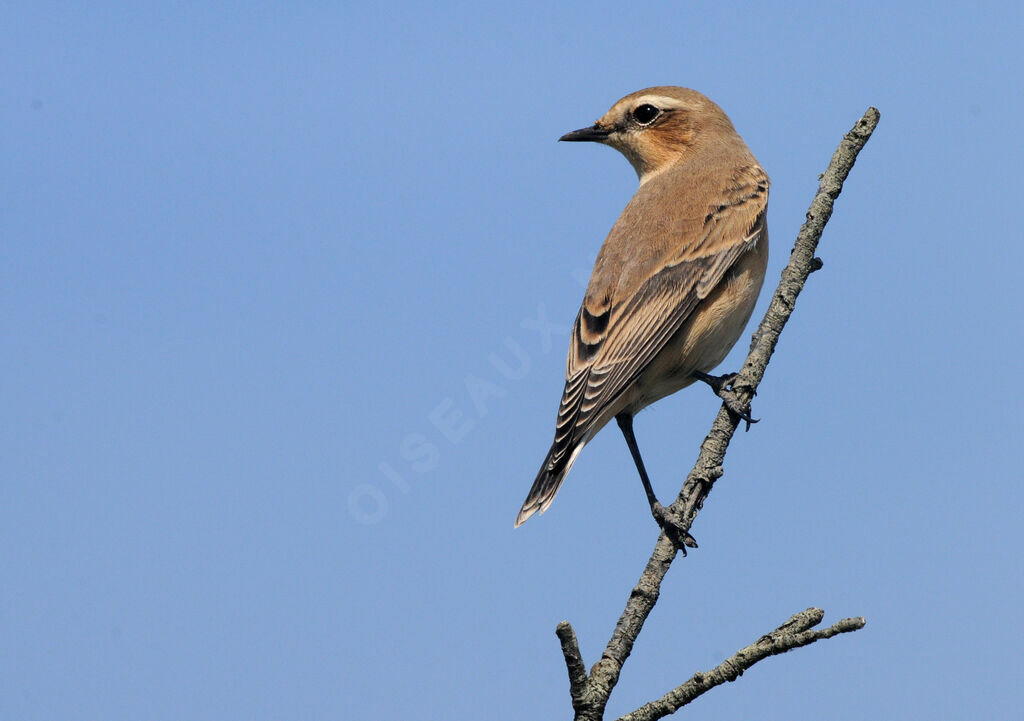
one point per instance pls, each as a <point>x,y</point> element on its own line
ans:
<point>590,693</point>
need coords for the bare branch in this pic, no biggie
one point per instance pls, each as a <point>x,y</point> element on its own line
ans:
<point>792,634</point>
<point>573,661</point>
<point>590,704</point>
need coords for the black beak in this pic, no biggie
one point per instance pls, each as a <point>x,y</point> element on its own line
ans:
<point>594,134</point>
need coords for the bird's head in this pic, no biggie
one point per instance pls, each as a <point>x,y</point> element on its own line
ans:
<point>657,127</point>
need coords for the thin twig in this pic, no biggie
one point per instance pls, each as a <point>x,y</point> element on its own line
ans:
<point>792,634</point>
<point>590,702</point>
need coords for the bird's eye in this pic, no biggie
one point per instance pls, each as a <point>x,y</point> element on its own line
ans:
<point>645,114</point>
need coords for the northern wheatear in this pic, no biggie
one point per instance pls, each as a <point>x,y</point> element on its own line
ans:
<point>675,282</point>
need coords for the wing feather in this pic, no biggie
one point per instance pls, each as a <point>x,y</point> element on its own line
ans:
<point>615,339</point>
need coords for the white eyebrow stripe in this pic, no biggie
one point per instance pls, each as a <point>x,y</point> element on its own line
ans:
<point>658,101</point>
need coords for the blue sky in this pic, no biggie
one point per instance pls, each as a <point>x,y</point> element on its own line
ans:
<point>285,293</point>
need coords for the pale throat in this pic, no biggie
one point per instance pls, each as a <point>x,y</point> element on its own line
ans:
<point>654,164</point>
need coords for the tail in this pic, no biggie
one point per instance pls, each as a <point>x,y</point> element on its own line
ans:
<point>549,480</point>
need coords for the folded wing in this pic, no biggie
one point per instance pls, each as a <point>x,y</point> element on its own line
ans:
<point>622,326</point>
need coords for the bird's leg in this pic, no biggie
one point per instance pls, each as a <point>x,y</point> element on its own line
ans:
<point>722,386</point>
<point>669,523</point>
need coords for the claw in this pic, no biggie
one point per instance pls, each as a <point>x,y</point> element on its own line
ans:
<point>722,386</point>
<point>673,528</point>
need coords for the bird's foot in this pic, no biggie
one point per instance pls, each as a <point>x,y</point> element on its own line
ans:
<point>673,527</point>
<point>723,388</point>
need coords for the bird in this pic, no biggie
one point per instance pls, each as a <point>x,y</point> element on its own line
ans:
<point>674,283</point>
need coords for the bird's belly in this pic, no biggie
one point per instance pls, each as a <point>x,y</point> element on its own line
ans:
<point>708,335</point>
